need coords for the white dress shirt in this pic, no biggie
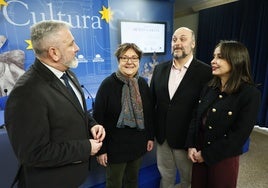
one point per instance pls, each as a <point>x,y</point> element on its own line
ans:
<point>175,77</point>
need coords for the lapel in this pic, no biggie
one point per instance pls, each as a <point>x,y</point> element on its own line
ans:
<point>165,77</point>
<point>186,80</point>
<point>57,85</point>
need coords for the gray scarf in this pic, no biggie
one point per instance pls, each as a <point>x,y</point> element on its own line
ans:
<point>132,110</point>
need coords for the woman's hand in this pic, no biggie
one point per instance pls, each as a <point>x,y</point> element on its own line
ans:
<point>191,154</point>
<point>150,145</point>
<point>198,157</point>
<point>102,159</point>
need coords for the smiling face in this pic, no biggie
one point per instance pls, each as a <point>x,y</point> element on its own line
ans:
<point>128,63</point>
<point>220,67</point>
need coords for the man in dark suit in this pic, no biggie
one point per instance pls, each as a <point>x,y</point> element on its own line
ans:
<point>176,86</point>
<point>49,128</point>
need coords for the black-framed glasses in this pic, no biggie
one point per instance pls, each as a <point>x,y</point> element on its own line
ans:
<point>126,59</point>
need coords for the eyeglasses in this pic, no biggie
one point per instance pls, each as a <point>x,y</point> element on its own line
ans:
<point>126,59</point>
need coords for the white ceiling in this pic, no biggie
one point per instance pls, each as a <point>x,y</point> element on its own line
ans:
<point>186,7</point>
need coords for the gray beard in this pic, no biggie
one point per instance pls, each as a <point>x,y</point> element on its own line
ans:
<point>72,64</point>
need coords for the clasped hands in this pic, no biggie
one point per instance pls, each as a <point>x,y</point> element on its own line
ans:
<point>195,156</point>
<point>98,133</point>
<point>103,158</point>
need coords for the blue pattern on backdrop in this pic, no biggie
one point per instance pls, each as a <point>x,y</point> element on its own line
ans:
<point>96,37</point>
<point>97,40</point>
<point>91,32</point>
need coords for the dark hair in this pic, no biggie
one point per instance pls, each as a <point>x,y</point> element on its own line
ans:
<point>122,48</point>
<point>236,54</point>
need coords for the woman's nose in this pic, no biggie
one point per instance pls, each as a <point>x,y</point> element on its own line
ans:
<point>212,61</point>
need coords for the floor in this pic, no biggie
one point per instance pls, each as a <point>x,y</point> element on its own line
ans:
<point>253,171</point>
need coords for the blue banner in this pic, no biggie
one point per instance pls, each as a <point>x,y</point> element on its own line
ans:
<point>95,28</point>
<point>90,22</point>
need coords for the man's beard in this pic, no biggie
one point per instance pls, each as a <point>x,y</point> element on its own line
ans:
<point>177,56</point>
<point>72,64</point>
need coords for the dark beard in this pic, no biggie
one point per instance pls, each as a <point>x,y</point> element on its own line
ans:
<point>179,57</point>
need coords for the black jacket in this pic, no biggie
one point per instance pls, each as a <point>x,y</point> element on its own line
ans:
<point>172,117</point>
<point>48,130</point>
<point>122,144</point>
<point>229,122</point>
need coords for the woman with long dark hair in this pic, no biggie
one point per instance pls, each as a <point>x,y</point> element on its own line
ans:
<point>224,118</point>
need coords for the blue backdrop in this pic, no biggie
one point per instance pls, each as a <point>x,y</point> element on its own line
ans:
<point>95,28</point>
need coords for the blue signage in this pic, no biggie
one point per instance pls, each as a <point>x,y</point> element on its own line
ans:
<point>90,22</point>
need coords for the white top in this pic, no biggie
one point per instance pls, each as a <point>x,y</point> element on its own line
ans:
<point>175,77</point>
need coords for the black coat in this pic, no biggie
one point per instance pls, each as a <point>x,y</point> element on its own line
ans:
<point>48,130</point>
<point>172,117</point>
<point>229,122</point>
<point>122,144</point>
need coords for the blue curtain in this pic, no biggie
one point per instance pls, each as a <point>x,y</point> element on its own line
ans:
<point>245,21</point>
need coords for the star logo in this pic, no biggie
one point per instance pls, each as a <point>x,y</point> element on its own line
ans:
<point>106,14</point>
<point>2,3</point>
<point>30,46</point>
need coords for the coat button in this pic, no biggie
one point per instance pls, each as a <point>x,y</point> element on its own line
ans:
<point>208,143</point>
<point>220,96</point>
<point>214,110</point>
<point>199,101</point>
<point>209,127</point>
<point>230,113</point>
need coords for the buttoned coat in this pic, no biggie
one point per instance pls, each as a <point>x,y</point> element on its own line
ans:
<point>229,120</point>
<point>49,130</point>
<point>173,116</point>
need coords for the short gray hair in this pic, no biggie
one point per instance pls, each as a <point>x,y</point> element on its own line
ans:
<point>42,32</point>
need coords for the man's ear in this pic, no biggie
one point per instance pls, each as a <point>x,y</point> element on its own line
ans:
<point>54,53</point>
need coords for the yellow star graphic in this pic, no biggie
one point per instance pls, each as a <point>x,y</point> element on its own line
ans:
<point>30,46</point>
<point>3,3</point>
<point>106,14</point>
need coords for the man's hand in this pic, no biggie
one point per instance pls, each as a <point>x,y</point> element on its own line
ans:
<point>95,146</point>
<point>98,132</point>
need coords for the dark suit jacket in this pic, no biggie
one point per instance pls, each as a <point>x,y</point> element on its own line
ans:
<point>172,117</point>
<point>48,130</point>
<point>229,122</point>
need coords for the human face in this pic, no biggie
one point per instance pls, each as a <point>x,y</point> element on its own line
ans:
<point>129,63</point>
<point>182,44</point>
<point>68,49</point>
<point>220,67</point>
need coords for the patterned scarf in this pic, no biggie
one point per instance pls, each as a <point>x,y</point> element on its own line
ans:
<point>132,110</point>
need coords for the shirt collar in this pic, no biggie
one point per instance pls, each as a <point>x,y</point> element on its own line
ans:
<point>57,73</point>
<point>186,65</point>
